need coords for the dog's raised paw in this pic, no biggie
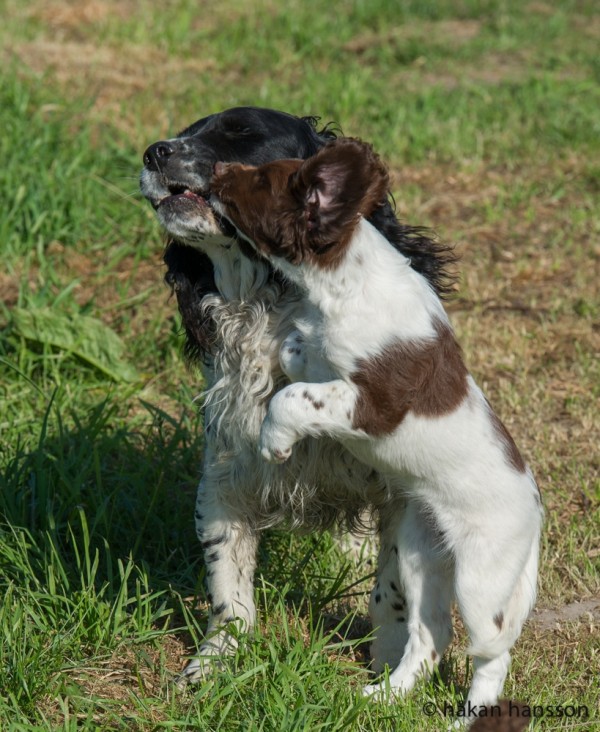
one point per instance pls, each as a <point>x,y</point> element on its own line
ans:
<point>274,454</point>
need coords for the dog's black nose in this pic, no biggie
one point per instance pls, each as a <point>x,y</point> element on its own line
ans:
<point>156,154</point>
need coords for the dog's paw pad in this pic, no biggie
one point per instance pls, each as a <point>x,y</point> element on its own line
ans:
<point>275,455</point>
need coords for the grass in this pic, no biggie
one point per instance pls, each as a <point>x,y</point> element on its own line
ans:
<point>487,114</point>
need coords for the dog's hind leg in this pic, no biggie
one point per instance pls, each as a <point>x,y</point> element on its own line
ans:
<point>494,607</point>
<point>426,576</point>
<point>230,558</point>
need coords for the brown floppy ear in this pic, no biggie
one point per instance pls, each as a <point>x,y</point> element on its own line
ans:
<point>343,180</point>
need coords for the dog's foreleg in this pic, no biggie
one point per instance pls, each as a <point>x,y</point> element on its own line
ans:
<point>230,559</point>
<point>293,357</point>
<point>300,362</point>
<point>303,409</point>
<point>387,604</point>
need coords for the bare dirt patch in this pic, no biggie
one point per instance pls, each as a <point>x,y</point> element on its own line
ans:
<point>10,286</point>
<point>68,16</point>
<point>586,611</point>
<point>122,72</point>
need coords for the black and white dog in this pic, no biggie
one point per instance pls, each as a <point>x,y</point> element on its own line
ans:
<point>237,311</point>
<point>377,367</point>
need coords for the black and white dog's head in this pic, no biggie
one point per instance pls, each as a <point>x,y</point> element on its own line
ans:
<point>176,180</point>
<point>176,174</point>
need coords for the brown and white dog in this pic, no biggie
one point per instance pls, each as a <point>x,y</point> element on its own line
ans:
<point>376,366</point>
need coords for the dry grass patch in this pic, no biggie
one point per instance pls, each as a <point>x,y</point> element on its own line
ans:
<point>111,76</point>
<point>66,17</point>
<point>447,32</point>
<point>107,685</point>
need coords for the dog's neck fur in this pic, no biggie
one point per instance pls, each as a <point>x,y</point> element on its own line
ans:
<point>360,279</point>
<point>236,276</point>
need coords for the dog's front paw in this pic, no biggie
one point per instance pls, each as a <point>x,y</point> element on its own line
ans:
<point>272,446</point>
<point>279,433</point>
<point>292,356</point>
<point>381,692</point>
<point>275,444</point>
<point>198,669</point>
<point>275,455</point>
<point>375,692</point>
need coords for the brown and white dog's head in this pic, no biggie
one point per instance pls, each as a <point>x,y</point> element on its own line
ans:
<point>303,211</point>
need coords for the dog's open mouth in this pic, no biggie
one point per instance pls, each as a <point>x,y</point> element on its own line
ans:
<point>181,194</point>
<point>187,213</point>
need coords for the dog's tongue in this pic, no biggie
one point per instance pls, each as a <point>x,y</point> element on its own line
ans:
<point>193,196</point>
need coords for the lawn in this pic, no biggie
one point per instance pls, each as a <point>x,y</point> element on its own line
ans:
<point>487,113</point>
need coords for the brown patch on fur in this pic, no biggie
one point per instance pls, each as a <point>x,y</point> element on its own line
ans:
<point>499,620</point>
<point>304,211</point>
<point>309,397</point>
<point>511,451</point>
<point>425,377</point>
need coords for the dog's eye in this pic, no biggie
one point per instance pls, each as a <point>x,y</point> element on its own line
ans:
<point>262,180</point>
<point>238,128</point>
